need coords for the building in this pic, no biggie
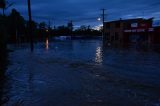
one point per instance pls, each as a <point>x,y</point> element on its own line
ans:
<point>131,31</point>
<point>156,37</point>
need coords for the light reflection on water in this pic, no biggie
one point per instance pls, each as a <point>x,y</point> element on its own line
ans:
<point>99,55</point>
<point>38,75</point>
<point>47,44</point>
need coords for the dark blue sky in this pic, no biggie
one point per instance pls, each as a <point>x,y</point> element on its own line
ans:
<point>87,11</point>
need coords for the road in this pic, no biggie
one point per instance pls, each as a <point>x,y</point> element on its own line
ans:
<point>82,73</point>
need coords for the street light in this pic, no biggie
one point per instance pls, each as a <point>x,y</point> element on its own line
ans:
<point>30,25</point>
<point>98,19</point>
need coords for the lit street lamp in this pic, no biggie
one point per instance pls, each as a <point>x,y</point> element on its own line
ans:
<point>98,19</point>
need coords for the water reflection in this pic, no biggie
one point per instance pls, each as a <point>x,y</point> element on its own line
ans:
<point>39,78</point>
<point>99,56</point>
<point>47,44</point>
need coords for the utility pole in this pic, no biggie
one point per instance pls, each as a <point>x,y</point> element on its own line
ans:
<point>3,11</point>
<point>103,19</point>
<point>30,25</point>
<point>49,29</point>
<point>49,25</point>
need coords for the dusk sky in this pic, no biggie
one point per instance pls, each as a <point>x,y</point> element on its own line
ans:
<point>85,12</point>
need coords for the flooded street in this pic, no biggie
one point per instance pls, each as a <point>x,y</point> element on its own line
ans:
<point>82,73</point>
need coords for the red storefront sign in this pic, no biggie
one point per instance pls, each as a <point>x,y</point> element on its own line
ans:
<point>140,27</point>
<point>139,30</point>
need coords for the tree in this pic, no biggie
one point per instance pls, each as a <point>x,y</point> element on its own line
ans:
<point>5,5</point>
<point>3,51</point>
<point>42,31</point>
<point>70,26</point>
<point>83,28</point>
<point>2,44</point>
<point>42,26</point>
<point>2,4</point>
<point>16,25</point>
<point>87,31</point>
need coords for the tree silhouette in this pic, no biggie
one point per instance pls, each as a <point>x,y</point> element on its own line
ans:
<point>2,3</point>
<point>15,25</point>
<point>5,5</point>
<point>2,40</point>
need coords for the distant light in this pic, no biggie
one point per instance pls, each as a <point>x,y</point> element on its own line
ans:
<point>47,44</point>
<point>98,27</point>
<point>46,30</point>
<point>99,19</point>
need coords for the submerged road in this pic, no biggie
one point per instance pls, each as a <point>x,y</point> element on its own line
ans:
<point>82,73</point>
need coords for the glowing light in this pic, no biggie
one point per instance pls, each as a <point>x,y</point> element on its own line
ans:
<point>99,27</point>
<point>47,44</point>
<point>99,19</point>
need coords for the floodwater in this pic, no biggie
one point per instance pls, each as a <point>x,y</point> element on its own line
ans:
<point>82,73</point>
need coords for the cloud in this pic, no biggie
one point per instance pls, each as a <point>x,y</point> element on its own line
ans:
<point>87,11</point>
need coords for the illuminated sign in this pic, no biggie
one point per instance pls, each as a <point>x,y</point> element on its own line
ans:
<point>139,30</point>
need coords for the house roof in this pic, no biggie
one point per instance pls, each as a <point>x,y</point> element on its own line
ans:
<point>129,20</point>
